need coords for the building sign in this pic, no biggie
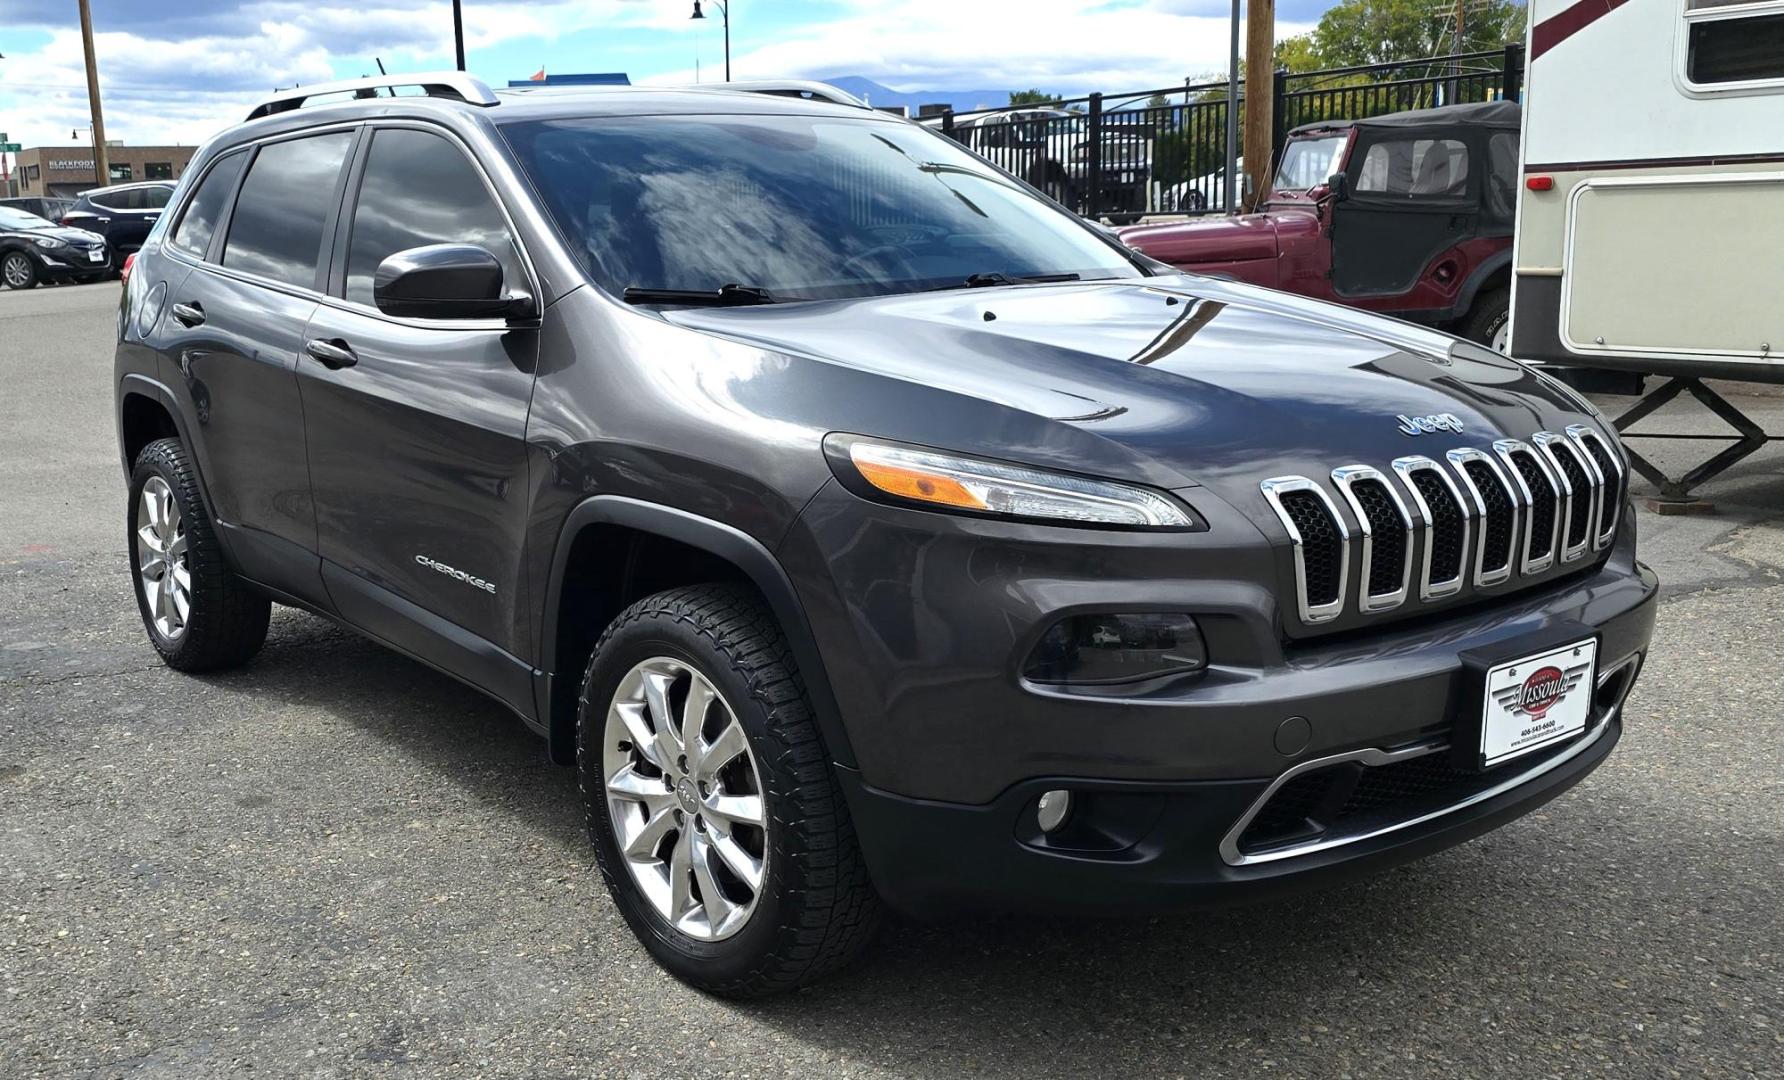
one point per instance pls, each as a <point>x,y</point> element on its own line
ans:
<point>66,164</point>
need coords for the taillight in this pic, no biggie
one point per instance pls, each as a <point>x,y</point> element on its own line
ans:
<point>1540,183</point>
<point>129,261</point>
<point>65,219</point>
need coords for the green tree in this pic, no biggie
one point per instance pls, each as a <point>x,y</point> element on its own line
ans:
<point>1032,97</point>
<point>1358,32</point>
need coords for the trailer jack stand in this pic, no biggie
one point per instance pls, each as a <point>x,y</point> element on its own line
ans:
<point>1675,495</point>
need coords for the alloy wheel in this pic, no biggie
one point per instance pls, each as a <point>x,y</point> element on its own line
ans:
<point>1502,338</point>
<point>162,573</point>
<point>685,799</point>
<point>17,270</point>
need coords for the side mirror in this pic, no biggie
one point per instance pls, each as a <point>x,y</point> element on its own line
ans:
<point>445,281</point>
<point>1339,185</point>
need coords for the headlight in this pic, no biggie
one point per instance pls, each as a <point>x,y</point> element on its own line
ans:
<point>47,242</point>
<point>974,485</point>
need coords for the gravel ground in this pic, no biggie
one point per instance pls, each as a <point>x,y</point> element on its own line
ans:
<point>338,863</point>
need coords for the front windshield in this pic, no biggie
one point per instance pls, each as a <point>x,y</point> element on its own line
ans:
<point>1309,163</point>
<point>810,207</point>
<point>19,219</point>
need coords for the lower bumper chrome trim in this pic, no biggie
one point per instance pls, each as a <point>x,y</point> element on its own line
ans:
<point>1374,756</point>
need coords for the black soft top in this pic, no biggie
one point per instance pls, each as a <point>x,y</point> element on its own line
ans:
<point>1491,114</point>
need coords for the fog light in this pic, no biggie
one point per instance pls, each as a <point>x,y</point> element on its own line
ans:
<point>1117,648</point>
<point>1053,809</point>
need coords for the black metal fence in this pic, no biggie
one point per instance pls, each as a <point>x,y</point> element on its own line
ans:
<point>1162,152</point>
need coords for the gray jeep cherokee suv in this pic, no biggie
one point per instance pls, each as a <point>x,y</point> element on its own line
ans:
<point>862,527</point>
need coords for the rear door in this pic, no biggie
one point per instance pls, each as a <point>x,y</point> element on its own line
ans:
<point>1413,195</point>
<point>232,334</point>
<point>417,441</point>
<point>128,214</point>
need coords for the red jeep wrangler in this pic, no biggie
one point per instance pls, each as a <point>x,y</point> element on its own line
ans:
<point>1409,214</point>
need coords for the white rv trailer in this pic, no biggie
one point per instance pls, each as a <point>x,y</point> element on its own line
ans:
<point>1650,233</point>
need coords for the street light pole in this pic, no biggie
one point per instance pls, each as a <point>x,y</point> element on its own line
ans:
<point>101,167</point>
<point>725,12</point>
<point>458,32</point>
<point>1232,116</point>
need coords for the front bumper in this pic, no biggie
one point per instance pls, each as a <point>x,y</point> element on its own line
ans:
<point>64,263</point>
<point>923,620</point>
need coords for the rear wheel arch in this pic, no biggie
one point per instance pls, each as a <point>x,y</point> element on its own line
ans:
<point>143,418</point>
<point>612,551</point>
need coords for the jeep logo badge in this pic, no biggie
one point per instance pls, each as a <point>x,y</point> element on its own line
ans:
<point>1424,425</point>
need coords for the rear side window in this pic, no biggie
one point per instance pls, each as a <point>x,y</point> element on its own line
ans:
<point>119,200</point>
<point>276,231</point>
<point>155,198</point>
<point>419,189</point>
<point>1415,168</point>
<point>199,223</point>
<point>1729,43</point>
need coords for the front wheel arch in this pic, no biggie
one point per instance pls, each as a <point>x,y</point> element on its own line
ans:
<point>719,552</point>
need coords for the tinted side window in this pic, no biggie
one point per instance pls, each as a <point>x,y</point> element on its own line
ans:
<point>199,223</point>
<point>419,189</point>
<point>277,228</point>
<point>118,200</point>
<point>1749,49</point>
<point>154,198</point>
<point>1502,173</point>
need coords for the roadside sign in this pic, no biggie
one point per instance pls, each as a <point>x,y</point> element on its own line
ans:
<point>9,148</point>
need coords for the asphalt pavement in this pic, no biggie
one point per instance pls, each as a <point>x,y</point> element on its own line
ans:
<point>337,863</point>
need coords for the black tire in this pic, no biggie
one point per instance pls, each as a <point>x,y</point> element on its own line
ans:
<point>227,619</point>
<point>1491,313</point>
<point>816,910</point>
<point>19,270</point>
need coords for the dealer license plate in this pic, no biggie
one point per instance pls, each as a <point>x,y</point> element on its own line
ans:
<point>1539,700</point>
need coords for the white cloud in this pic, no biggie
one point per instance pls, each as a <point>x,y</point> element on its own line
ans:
<point>1050,44</point>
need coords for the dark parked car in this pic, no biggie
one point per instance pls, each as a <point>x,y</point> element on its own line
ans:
<point>34,250</point>
<point>859,525</point>
<point>1410,214</point>
<point>44,206</point>
<point>122,213</point>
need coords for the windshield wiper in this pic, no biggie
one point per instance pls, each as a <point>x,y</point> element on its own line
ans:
<point>732,295</point>
<point>985,281</point>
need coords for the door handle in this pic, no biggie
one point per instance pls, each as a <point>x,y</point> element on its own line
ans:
<point>189,314</point>
<point>333,355</point>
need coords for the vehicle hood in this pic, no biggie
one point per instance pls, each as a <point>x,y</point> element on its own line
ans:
<point>1194,379</point>
<point>1214,240</point>
<point>79,237</point>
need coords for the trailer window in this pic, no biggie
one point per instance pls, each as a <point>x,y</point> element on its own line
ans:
<point>1729,42</point>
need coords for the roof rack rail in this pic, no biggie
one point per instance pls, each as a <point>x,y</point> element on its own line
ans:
<point>444,84</point>
<point>797,88</point>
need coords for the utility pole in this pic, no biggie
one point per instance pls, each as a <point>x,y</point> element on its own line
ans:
<point>101,166</point>
<point>1260,95</point>
<point>458,32</point>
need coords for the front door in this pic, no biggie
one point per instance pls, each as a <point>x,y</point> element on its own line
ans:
<point>417,428</point>
<point>1412,197</point>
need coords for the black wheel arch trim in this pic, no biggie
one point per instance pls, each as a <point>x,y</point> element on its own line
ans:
<point>136,384</point>
<point>1483,273</point>
<point>740,549</point>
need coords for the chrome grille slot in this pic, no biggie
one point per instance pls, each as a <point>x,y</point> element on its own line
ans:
<point>1578,495</point>
<point>1539,493</point>
<point>1443,522</point>
<point>1468,519</point>
<point>1321,543</point>
<point>1386,536</point>
<point>1610,476</point>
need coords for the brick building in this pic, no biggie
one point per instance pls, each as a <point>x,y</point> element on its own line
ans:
<point>68,170</point>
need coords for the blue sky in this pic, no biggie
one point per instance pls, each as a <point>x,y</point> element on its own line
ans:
<point>179,70</point>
